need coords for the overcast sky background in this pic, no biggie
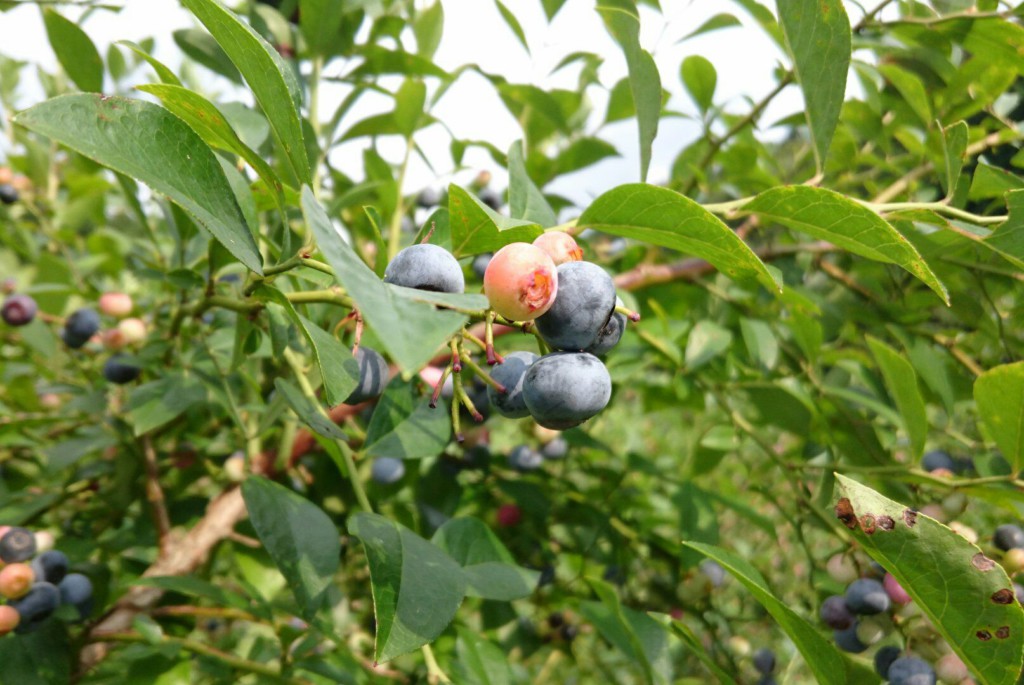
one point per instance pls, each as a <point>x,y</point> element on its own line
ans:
<point>474,32</point>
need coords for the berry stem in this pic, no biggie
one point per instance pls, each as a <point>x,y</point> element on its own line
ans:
<point>481,374</point>
<point>492,356</point>
<point>457,384</point>
<point>456,362</point>
<point>628,313</point>
<point>440,386</point>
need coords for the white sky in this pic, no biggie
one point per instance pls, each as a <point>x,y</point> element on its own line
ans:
<point>474,32</point>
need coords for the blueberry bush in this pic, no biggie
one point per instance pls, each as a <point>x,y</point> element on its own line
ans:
<point>761,420</point>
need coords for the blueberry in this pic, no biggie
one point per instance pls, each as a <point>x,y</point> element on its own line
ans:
<point>963,465</point>
<point>909,670</point>
<point>480,263</point>
<point>835,614</point>
<point>119,370</point>
<point>547,576</point>
<point>19,310</point>
<point>523,458</point>
<point>584,304</point>
<point>767,680</point>
<point>37,606</point>
<point>556,449</point>
<point>511,374</point>
<point>490,198</point>
<point>848,641</point>
<point>8,194</point>
<point>610,334</point>
<point>713,571</point>
<point>477,392</point>
<point>1009,536</point>
<point>79,327</point>
<point>428,197</point>
<point>569,632</point>
<point>556,619</point>
<point>938,459</point>
<point>1018,592</point>
<point>17,544</point>
<point>884,658</point>
<point>373,375</point>
<point>426,267</point>
<point>867,596</point>
<point>76,590</point>
<point>764,660</point>
<point>50,566</point>
<point>564,389</point>
<point>387,470</point>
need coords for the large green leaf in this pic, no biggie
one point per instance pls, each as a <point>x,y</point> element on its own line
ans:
<point>820,654</point>
<point>490,570</point>
<point>818,34</point>
<point>269,77</point>
<point>477,228</point>
<point>75,51</point>
<point>149,143</point>
<point>623,22</point>
<point>901,381</point>
<point>299,536</point>
<point>392,317</point>
<point>405,427</point>
<point>525,200</point>
<point>827,215</point>
<point>664,217</point>
<point>967,596</point>
<point>206,120</point>
<point>416,587</point>
<point>999,393</point>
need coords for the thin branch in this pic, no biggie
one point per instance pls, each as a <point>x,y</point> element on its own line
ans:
<point>155,495</point>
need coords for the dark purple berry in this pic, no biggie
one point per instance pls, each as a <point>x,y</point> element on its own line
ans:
<point>19,310</point>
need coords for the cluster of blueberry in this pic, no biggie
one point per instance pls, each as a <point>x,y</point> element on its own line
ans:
<point>83,324</point>
<point>34,580</point>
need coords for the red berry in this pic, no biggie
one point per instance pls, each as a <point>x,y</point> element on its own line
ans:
<point>9,619</point>
<point>509,515</point>
<point>560,246</point>
<point>521,281</point>
<point>19,310</point>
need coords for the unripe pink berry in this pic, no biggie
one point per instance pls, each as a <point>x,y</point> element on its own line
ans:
<point>9,619</point>
<point>561,247</point>
<point>115,304</point>
<point>112,338</point>
<point>16,580</point>
<point>49,400</point>
<point>895,591</point>
<point>966,532</point>
<point>951,669</point>
<point>934,511</point>
<point>133,330</point>
<point>234,467</point>
<point>842,569</point>
<point>509,515</point>
<point>521,282</point>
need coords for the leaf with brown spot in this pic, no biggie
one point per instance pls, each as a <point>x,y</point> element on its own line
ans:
<point>952,581</point>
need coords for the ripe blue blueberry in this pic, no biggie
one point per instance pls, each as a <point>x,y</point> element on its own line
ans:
<point>373,375</point>
<point>909,670</point>
<point>79,327</point>
<point>480,263</point>
<point>387,470</point>
<point>764,660</point>
<point>426,267</point>
<point>118,369</point>
<point>50,566</point>
<point>8,194</point>
<point>76,590</point>
<point>564,389</point>
<point>938,459</point>
<point>866,596</point>
<point>835,614</point>
<point>524,458</point>
<point>884,658</point>
<point>510,374</point>
<point>610,334</point>
<point>19,310</point>
<point>583,305</point>
<point>37,606</point>
<point>17,544</point>
<point>713,571</point>
<point>490,198</point>
<point>1008,536</point>
<point>848,641</point>
<point>555,449</point>
<point>428,197</point>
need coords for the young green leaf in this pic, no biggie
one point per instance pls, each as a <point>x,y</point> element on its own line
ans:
<point>146,142</point>
<point>715,23</point>
<point>664,217</point>
<point>75,51</point>
<point>163,73</point>
<point>912,90</point>
<point>821,655</point>
<point>999,394</point>
<point>201,46</point>
<point>477,228</point>
<point>901,381</point>
<point>299,536</point>
<point>428,27</point>
<point>525,200</point>
<point>272,81</point>
<point>1008,237</point>
<point>818,34</point>
<point>416,587</point>
<point>699,77</point>
<point>967,596</point>
<point>320,21</point>
<point>404,426</point>
<point>827,215</point>
<point>954,148</point>
<point>513,23</point>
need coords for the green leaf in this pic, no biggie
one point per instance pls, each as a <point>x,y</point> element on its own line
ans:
<point>154,404</point>
<point>146,142</point>
<point>378,61</point>
<point>416,587</point>
<point>901,380</point>
<point>75,51</point>
<point>707,340</point>
<point>911,88</point>
<point>999,393</point>
<point>491,572</point>
<point>954,147</point>
<point>719,21</point>
<point>201,46</point>
<point>761,343</point>
<point>967,596</point>
<point>299,536</point>
<point>409,101</point>
<point>990,182</point>
<point>320,21</point>
<point>699,77</point>
<point>1008,237</point>
<point>479,662</point>
<point>405,427</point>
<point>477,228</point>
<point>271,80</point>
<point>623,22</point>
<point>428,27</point>
<point>163,73</point>
<point>390,316</point>
<point>818,34</point>
<point>513,23</point>
<point>525,200</point>
<point>693,643</point>
<point>820,654</point>
<point>827,215</point>
<point>664,217</point>
<point>206,120</point>
<point>308,413</point>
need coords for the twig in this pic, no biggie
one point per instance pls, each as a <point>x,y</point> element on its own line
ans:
<point>155,495</point>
